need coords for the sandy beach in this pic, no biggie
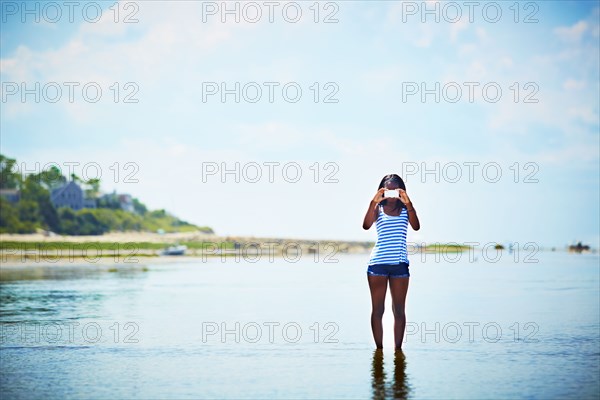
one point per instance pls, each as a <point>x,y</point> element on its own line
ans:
<point>137,248</point>
<point>112,237</point>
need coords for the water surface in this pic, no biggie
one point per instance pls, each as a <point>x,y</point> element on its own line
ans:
<point>194,329</point>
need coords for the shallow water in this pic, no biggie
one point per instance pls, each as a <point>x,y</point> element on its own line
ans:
<point>301,330</point>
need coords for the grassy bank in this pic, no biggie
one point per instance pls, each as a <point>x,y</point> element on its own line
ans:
<point>446,248</point>
<point>61,245</point>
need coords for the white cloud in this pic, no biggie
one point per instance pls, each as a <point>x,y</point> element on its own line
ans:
<point>584,114</point>
<point>467,49</point>
<point>578,153</point>
<point>167,42</point>
<point>426,36</point>
<point>477,71</point>
<point>106,25</point>
<point>457,27</point>
<point>572,33</point>
<point>482,35</point>
<point>507,61</point>
<point>574,84</point>
<point>18,68</point>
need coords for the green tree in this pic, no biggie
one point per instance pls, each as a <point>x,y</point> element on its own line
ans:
<point>29,216</point>
<point>93,188</point>
<point>68,221</point>
<point>51,178</point>
<point>90,224</point>
<point>109,200</point>
<point>33,191</point>
<point>139,207</point>
<point>9,218</point>
<point>8,178</point>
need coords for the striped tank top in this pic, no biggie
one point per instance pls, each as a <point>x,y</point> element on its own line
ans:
<point>390,247</point>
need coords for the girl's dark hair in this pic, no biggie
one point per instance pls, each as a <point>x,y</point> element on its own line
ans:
<point>393,178</point>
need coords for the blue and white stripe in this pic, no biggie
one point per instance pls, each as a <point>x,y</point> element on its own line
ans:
<point>390,247</point>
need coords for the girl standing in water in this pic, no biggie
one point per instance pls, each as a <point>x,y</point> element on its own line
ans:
<point>391,210</point>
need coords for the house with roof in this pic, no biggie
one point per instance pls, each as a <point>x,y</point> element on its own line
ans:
<point>71,195</point>
<point>116,200</point>
<point>126,202</point>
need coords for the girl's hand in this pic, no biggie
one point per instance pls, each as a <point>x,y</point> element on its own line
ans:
<point>378,198</point>
<point>404,197</point>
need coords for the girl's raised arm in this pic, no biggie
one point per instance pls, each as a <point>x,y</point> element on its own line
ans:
<point>372,211</point>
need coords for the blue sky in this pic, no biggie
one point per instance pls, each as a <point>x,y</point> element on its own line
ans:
<point>369,58</point>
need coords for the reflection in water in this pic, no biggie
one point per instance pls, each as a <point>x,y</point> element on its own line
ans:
<point>400,384</point>
<point>378,375</point>
<point>398,389</point>
<point>68,273</point>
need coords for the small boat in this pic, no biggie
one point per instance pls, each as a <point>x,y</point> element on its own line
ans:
<point>175,250</point>
<point>579,248</point>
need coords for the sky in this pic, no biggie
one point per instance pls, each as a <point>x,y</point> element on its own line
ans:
<point>280,119</point>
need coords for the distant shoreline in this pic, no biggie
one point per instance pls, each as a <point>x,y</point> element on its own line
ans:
<point>135,247</point>
<point>126,246</point>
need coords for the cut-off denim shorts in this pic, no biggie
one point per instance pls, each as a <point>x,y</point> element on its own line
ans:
<point>390,270</point>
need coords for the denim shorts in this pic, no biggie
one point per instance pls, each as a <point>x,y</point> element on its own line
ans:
<point>390,270</point>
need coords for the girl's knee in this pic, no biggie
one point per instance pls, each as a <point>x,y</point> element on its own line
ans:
<point>378,311</point>
<point>398,311</point>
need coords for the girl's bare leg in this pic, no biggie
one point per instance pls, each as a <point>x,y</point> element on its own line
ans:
<point>378,286</point>
<point>399,288</point>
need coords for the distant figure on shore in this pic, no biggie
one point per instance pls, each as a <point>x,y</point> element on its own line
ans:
<point>391,210</point>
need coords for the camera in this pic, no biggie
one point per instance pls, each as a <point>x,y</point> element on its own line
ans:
<point>391,193</point>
